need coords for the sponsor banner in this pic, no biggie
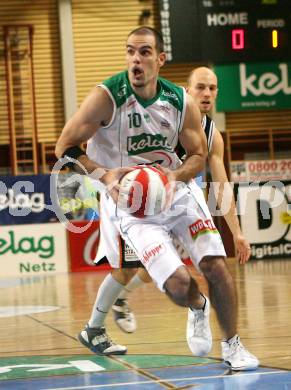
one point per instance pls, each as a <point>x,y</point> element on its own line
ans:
<point>41,249</point>
<point>265,216</point>
<point>77,196</point>
<point>83,247</point>
<point>254,86</point>
<point>23,199</point>
<point>260,170</point>
<point>47,198</point>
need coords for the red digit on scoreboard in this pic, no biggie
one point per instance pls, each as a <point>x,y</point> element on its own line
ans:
<point>238,39</point>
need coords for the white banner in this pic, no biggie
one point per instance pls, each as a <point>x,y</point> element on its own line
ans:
<point>33,249</point>
<point>260,170</point>
<point>265,216</point>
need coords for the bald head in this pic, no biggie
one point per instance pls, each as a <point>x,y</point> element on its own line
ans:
<point>201,73</point>
<point>202,86</point>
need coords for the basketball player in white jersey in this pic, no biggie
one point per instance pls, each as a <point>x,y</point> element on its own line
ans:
<point>202,85</point>
<point>133,118</point>
<point>125,121</point>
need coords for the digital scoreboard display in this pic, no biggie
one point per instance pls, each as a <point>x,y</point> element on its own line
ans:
<point>222,31</point>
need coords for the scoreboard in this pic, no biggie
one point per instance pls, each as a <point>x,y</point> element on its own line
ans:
<point>222,31</point>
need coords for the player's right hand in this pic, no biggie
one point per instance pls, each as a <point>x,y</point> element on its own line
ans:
<point>242,247</point>
<point>112,178</point>
<point>172,186</point>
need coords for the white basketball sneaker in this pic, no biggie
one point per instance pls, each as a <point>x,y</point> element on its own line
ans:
<point>236,356</point>
<point>123,316</point>
<point>198,332</point>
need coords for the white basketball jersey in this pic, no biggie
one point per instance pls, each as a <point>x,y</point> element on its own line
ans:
<point>140,131</point>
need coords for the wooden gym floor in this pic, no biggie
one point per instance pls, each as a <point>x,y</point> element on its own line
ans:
<point>264,293</point>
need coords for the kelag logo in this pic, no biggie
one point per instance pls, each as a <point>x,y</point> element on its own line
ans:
<point>44,246</point>
<point>267,83</point>
<point>21,203</point>
<point>25,199</point>
<point>33,249</point>
<point>251,86</point>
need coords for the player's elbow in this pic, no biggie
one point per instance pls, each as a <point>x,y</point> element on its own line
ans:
<point>203,154</point>
<point>59,150</point>
<point>202,160</point>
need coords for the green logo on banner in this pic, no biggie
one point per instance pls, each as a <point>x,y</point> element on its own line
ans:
<point>44,246</point>
<point>254,86</point>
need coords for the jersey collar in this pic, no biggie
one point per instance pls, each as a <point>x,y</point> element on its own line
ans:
<point>143,102</point>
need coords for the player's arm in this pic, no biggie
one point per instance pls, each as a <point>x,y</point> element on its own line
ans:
<point>95,111</point>
<point>193,140</point>
<point>225,196</point>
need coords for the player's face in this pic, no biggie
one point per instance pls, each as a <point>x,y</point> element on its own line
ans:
<point>143,60</point>
<point>203,88</point>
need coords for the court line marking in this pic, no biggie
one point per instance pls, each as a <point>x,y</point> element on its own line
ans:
<point>143,372</point>
<point>255,373</point>
<point>50,327</point>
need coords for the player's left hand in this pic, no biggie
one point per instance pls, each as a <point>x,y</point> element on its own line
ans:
<point>243,249</point>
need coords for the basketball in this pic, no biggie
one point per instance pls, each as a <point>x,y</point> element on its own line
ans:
<point>144,191</point>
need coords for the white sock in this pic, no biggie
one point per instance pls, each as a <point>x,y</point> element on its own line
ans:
<point>134,283</point>
<point>106,296</point>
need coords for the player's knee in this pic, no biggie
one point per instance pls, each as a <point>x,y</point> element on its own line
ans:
<point>177,286</point>
<point>123,275</point>
<point>144,276</point>
<point>214,268</point>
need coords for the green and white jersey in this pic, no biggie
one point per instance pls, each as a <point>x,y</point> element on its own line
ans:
<point>139,132</point>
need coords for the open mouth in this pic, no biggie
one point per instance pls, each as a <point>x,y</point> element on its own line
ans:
<point>137,72</point>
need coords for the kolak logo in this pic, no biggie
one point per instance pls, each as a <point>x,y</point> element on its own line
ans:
<point>142,143</point>
<point>268,83</point>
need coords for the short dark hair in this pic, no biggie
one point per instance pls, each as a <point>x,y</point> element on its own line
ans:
<point>151,31</point>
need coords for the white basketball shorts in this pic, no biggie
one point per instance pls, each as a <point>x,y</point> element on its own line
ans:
<point>188,220</point>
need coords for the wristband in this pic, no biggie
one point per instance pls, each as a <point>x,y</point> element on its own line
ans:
<point>71,155</point>
<point>96,176</point>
